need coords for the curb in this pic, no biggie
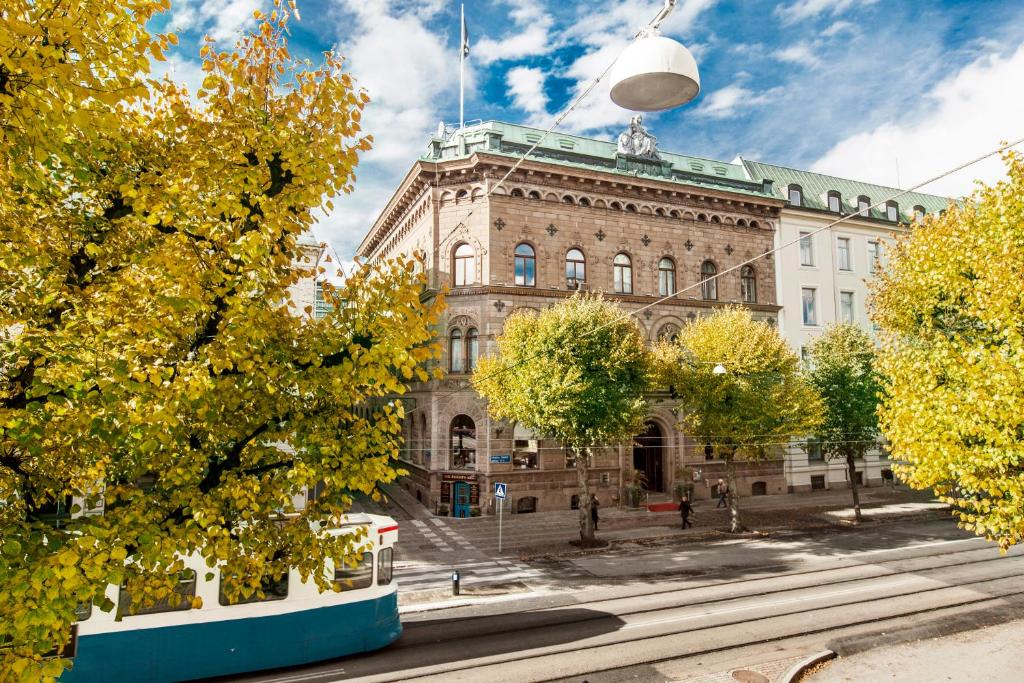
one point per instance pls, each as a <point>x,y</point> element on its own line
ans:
<point>794,672</point>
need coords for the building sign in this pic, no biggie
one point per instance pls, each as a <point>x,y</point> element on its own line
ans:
<point>501,459</point>
<point>448,480</point>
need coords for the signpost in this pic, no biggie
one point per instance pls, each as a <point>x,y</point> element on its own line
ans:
<point>500,491</point>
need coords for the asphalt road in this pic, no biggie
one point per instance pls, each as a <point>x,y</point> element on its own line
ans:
<point>677,613</point>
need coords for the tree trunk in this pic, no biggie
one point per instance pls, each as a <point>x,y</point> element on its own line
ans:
<point>851,468</point>
<point>586,522</point>
<point>735,523</point>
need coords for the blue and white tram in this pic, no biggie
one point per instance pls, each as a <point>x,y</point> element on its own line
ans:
<point>295,624</point>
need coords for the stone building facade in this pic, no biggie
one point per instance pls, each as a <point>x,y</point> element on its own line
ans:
<point>575,214</point>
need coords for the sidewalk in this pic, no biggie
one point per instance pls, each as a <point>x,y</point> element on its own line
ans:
<point>988,654</point>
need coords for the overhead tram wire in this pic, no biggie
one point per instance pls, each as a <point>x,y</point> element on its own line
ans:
<point>829,226</point>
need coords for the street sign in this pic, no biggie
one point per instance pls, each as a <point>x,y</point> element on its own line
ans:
<point>501,459</point>
<point>499,490</point>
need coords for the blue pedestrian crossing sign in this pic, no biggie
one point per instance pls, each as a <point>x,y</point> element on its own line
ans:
<point>499,489</point>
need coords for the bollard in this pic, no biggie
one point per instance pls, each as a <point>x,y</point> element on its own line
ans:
<point>455,582</point>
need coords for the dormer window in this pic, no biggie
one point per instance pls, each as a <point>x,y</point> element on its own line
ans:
<point>863,205</point>
<point>835,201</point>
<point>919,213</point>
<point>892,211</point>
<point>796,195</point>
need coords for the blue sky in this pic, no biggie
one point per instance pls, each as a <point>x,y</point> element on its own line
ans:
<point>888,91</point>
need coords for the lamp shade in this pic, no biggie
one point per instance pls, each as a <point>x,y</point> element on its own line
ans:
<point>653,74</point>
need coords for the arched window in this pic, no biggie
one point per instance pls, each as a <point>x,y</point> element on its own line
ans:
<point>919,213</point>
<point>796,195</point>
<point>472,348</point>
<point>462,442</point>
<point>703,217</point>
<point>668,332</point>
<point>748,285</point>
<point>584,201</point>
<point>525,265</point>
<point>716,219</point>
<point>659,212</point>
<point>456,352</point>
<point>892,211</point>
<point>575,268</point>
<point>534,194</point>
<point>666,276</point>
<point>465,272</point>
<point>835,201</point>
<point>623,271</point>
<point>461,194</point>
<point>631,208</point>
<point>516,193</point>
<point>708,282</point>
<point>568,199</point>
<point>863,203</point>
<point>616,205</point>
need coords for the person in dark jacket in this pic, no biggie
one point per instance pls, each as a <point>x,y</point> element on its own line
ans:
<point>593,510</point>
<point>685,510</point>
<point>723,494</point>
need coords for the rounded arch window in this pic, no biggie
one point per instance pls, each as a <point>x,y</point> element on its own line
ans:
<point>796,195</point>
<point>472,348</point>
<point>534,194</point>
<point>668,332</point>
<point>516,193</point>
<point>755,224</point>
<point>708,281</point>
<point>702,217</point>
<point>465,270</point>
<point>616,205</point>
<point>456,351</point>
<point>748,284</point>
<point>584,201</point>
<point>666,276</point>
<point>864,205</point>
<point>716,219</point>
<point>575,268</point>
<point>623,274</point>
<point>568,199</point>
<point>525,264</point>
<point>631,208</point>
<point>461,194</point>
<point>892,211</point>
<point>835,201</point>
<point>462,442</point>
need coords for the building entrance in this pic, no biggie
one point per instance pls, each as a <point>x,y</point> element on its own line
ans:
<point>648,456</point>
<point>461,495</point>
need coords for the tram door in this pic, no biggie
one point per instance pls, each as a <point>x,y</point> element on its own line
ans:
<point>460,494</point>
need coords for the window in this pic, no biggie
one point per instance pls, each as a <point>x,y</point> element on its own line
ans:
<point>575,268</point>
<point>271,588</point>
<point>462,442</point>
<point>623,268</point>
<point>472,349</point>
<point>843,248</point>
<point>835,202</point>
<point>810,305</point>
<point>892,211</point>
<point>748,285</point>
<point>320,306</point>
<point>465,272</point>
<point>863,204</point>
<point>806,249</point>
<point>384,566</point>
<point>759,488</point>
<point>669,332</point>
<point>666,277</point>
<point>524,454</point>
<point>919,213</point>
<point>805,357</point>
<point>872,256</point>
<point>457,352</point>
<point>846,306</point>
<point>796,195</point>
<point>817,482</point>
<point>814,449</point>
<point>179,600</point>
<point>348,578</point>
<point>525,266</point>
<point>708,281</point>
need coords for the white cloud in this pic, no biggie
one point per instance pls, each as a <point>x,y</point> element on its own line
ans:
<point>963,117</point>
<point>222,20</point>
<point>728,101</point>
<point>805,9</point>
<point>836,28</point>
<point>529,37</point>
<point>799,53</point>
<point>526,85</point>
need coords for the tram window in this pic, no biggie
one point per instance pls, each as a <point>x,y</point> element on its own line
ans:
<point>179,600</point>
<point>384,567</point>
<point>273,589</point>
<point>348,578</point>
<point>83,610</point>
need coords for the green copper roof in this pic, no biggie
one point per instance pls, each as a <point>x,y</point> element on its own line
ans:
<point>816,187</point>
<point>506,139</point>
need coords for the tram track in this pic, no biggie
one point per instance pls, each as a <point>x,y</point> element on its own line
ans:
<point>593,629</point>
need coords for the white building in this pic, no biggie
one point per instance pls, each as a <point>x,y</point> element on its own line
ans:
<point>824,276</point>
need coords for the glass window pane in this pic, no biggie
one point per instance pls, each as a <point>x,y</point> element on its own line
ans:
<point>384,566</point>
<point>348,578</point>
<point>844,253</point>
<point>806,249</point>
<point>809,306</point>
<point>272,589</point>
<point>179,600</point>
<point>846,306</point>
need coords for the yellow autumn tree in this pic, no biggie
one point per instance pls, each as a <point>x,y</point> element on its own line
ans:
<point>952,357</point>
<point>152,366</point>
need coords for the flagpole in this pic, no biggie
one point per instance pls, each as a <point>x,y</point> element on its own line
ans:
<point>462,68</point>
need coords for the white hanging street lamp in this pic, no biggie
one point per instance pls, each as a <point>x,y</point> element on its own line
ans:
<point>654,73</point>
<point>719,370</point>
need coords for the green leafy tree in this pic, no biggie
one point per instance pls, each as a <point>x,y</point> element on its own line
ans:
<point>843,374</point>
<point>150,357</point>
<point>952,358</point>
<point>576,372</point>
<point>760,402</point>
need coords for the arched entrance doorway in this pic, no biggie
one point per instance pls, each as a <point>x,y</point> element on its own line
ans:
<point>648,456</point>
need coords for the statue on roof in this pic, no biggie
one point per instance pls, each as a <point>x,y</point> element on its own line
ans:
<point>637,142</point>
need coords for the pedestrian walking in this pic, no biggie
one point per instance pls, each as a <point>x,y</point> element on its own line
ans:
<point>723,493</point>
<point>685,510</point>
<point>593,510</point>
